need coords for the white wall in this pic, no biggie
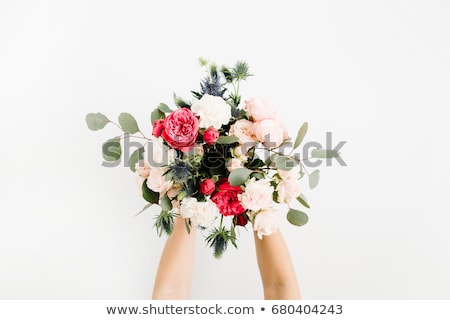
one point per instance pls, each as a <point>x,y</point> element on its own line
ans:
<point>376,74</point>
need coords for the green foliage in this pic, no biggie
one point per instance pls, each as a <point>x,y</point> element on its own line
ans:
<point>314,179</point>
<point>301,134</point>
<point>128,123</point>
<point>297,217</point>
<point>148,205</point>
<point>156,115</point>
<point>148,194</point>
<point>285,163</point>
<point>302,199</point>
<point>164,108</point>
<point>227,140</point>
<point>324,153</point>
<point>166,204</point>
<point>135,157</point>
<point>180,102</point>
<point>96,121</point>
<point>112,150</point>
<point>239,176</point>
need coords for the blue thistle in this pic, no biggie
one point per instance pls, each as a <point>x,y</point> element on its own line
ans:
<point>180,171</point>
<point>211,85</point>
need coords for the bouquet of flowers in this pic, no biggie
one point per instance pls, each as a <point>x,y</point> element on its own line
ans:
<point>215,161</point>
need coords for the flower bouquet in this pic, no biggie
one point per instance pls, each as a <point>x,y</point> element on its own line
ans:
<point>215,161</point>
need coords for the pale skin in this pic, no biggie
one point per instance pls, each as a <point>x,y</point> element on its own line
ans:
<point>174,276</point>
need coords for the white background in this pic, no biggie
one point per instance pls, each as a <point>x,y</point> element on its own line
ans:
<point>376,74</point>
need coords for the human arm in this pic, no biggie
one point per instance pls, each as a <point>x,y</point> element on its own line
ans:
<point>276,269</point>
<point>174,276</point>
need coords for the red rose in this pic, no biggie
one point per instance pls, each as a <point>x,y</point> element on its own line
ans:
<point>207,187</point>
<point>210,135</point>
<point>240,220</point>
<point>226,198</point>
<point>158,128</point>
<point>181,129</point>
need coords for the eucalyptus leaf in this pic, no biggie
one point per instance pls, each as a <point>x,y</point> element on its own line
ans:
<point>297,217</point>
<point>166,204</point>
<point>156,115</point>
<point>324,153</point>
<point>128,123</point>
<point>272,160</point>
<point>148,194</point>
<point>112,150</point>
<point>239,176</point>
<point>135,157</point>
<point>164,108</point>
<point>96,121</point>
<point>302,199</point>
<point>314,179</point>
<point>301,134</point>
<point>227,139</point>
<point>285,163</point>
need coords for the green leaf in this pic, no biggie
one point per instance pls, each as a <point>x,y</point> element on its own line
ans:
<point>187,225</point>
<point>128,123</point>
<point>272,160</point>
<point>148,205</point>
<point>135,157</point>
<point>156,115</point>
<point>301,198</point>
<point>96,121</point>
<point>164,108</point>
<point>324,153</point>
<point>148,194</point>
<point>314,179</point>
<point>285,163</point>
<point>180,102</point>
<point>297,217</point>
<point>256,163</point>
<point>301,134</point>
<point>112,150</point>
<point>239,176</point>
<point>166,204</point>
<point>257,175</point>
<point>227,139</point>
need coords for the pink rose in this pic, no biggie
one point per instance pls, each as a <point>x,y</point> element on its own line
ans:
<point>266,222</point>
<point>259,109</point>
<point>227,200</point>
<point>270,133</point>
<point>207,187</point>
<point>158,128</point>
<point>288,190</point>
<point>181,129</point>
<point>142,168</point>
<point>210,135</point>
<point>244,130</point>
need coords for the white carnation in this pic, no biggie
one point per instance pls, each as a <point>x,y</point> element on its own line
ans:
<point>202,214</point>
<point>188,207</point>
<point>266,222</point>
<point>213,111</point>
<point>207,213</point>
